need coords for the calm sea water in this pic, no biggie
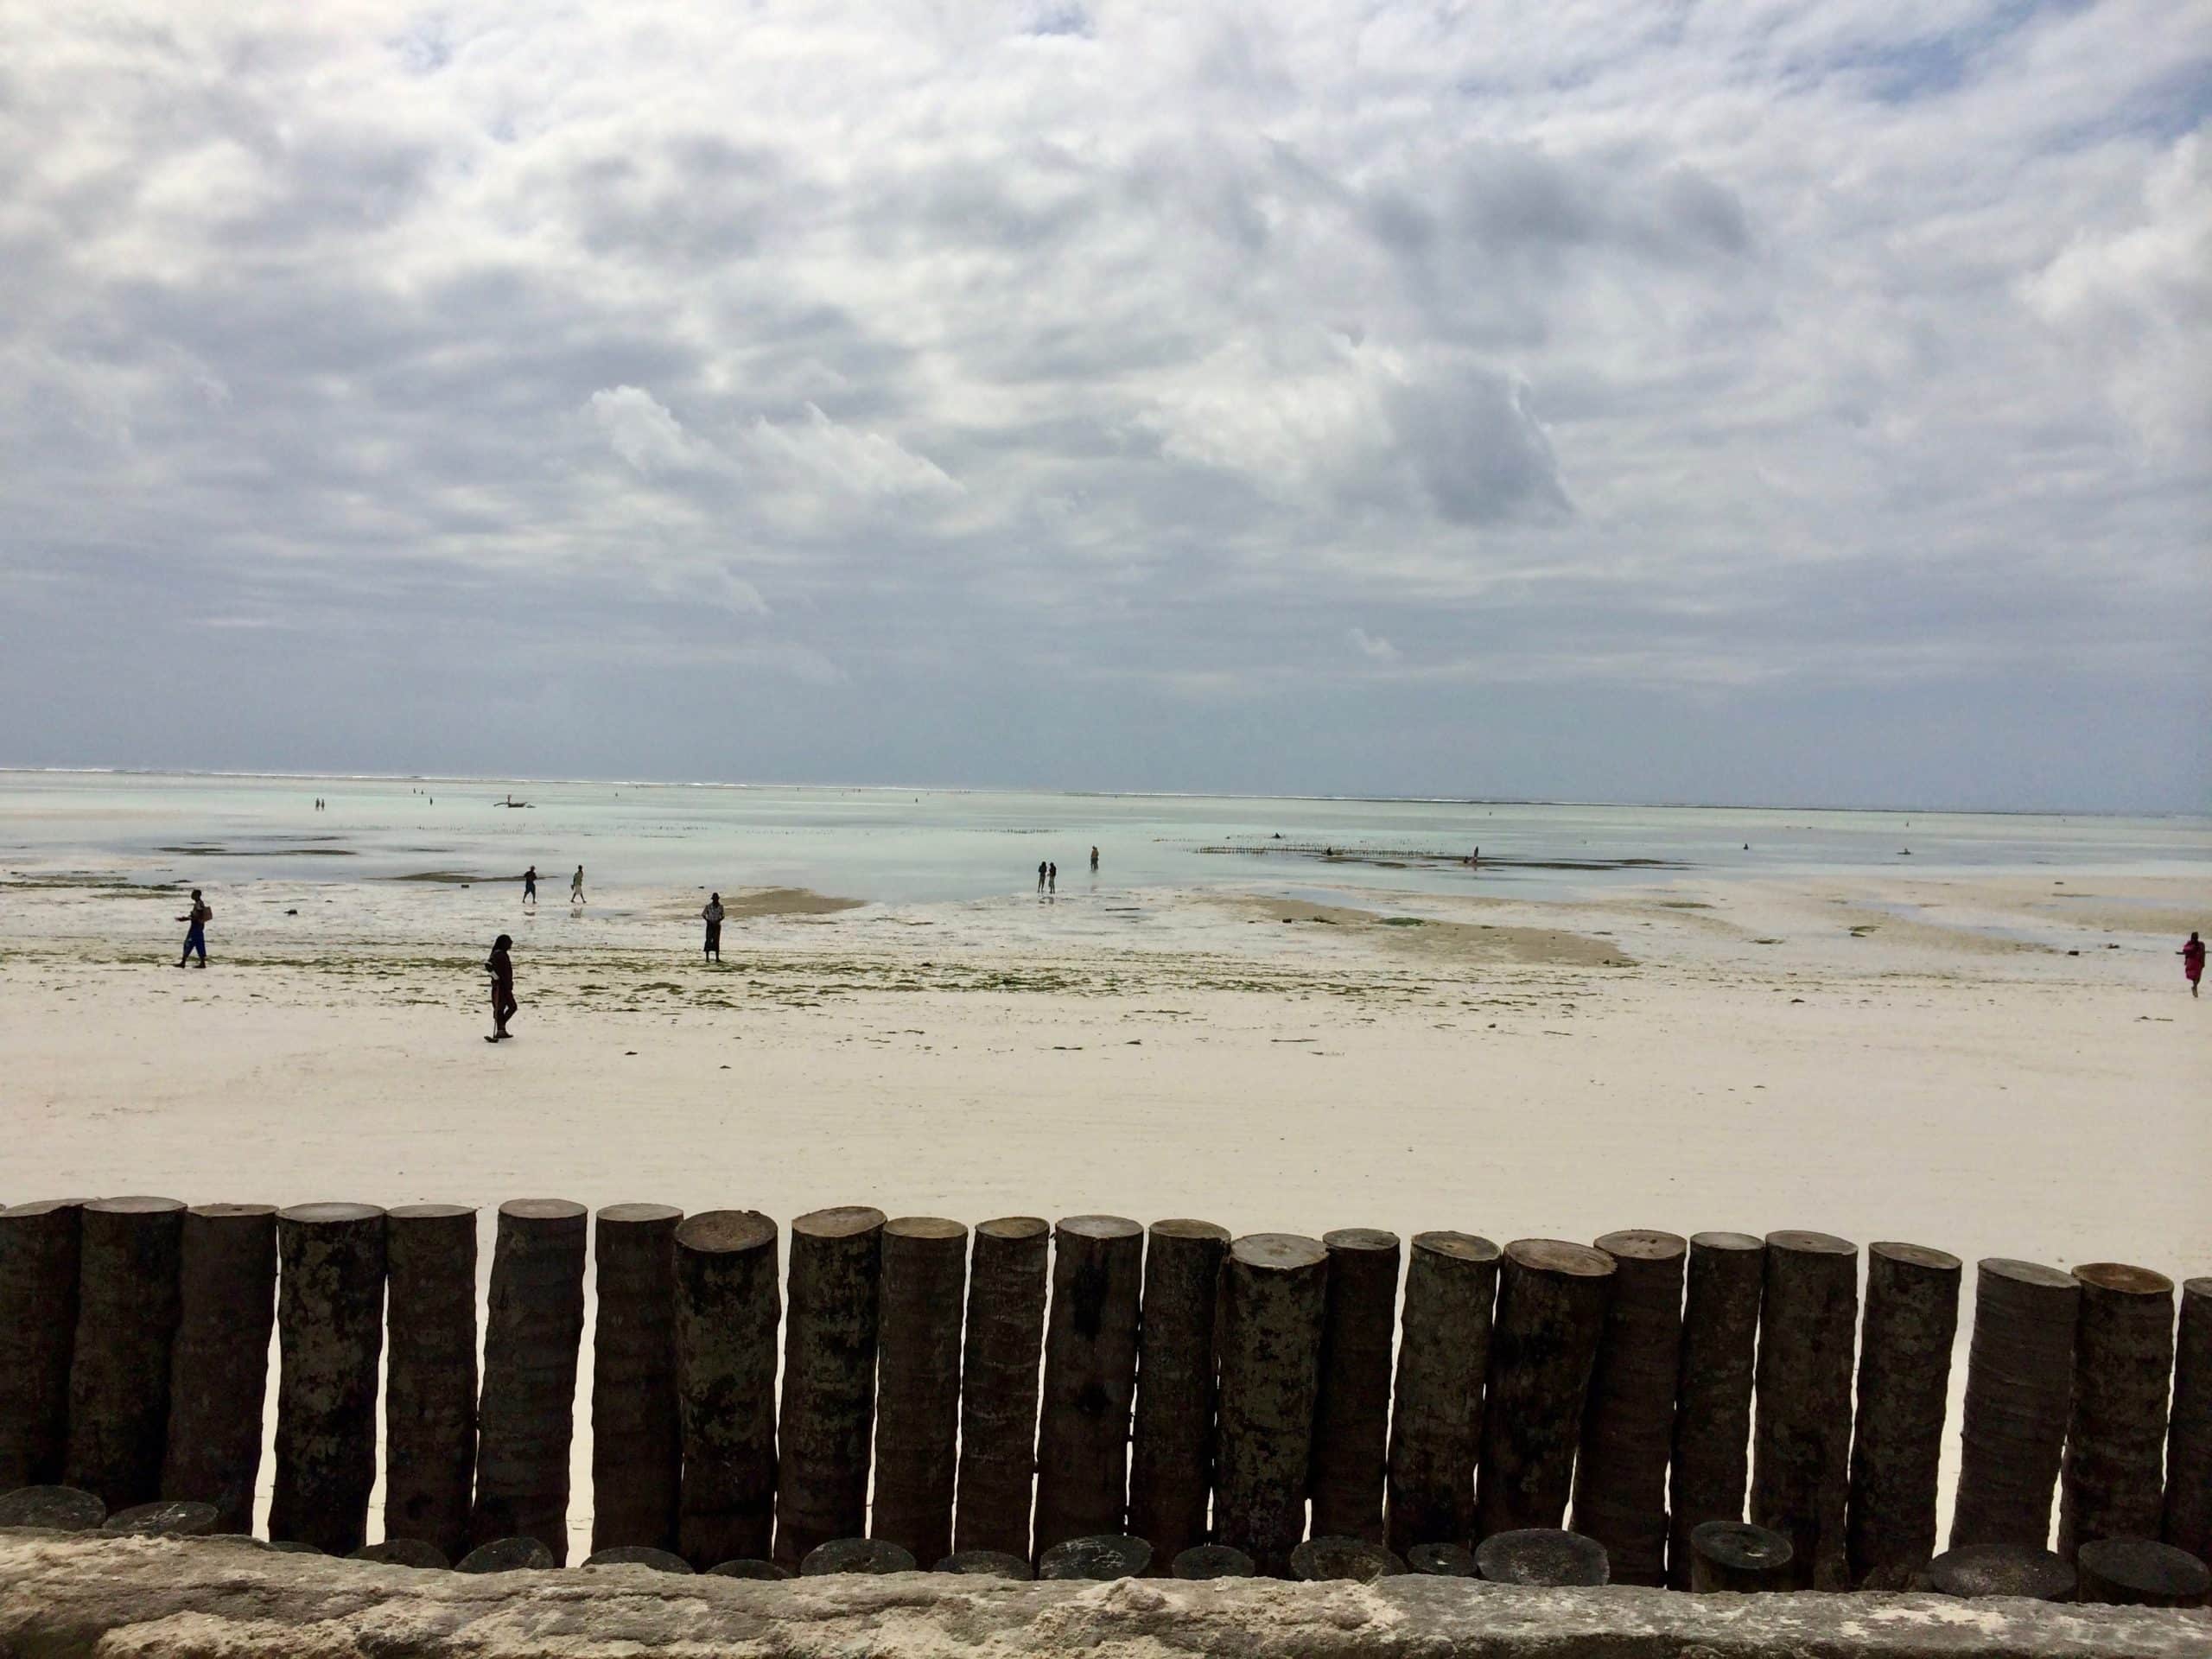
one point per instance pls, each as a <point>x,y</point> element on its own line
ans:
<point>909,846</point>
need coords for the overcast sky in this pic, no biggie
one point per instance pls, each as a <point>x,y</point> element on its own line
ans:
<point>1802,401</point>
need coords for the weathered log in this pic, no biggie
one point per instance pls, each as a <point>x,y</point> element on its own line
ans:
<point>1351,1414</point>
<point>660,1560</point>
<point>998,1384</point>
<point>119,1368</point>
<point>829,1400</point>
<point>1551,1306</point>
<point>1436,1425</point>
<point>1712,1405</point>
<point>1628,1425</point>
<point>533,1332</point>
<point>404,1552</point>
<point>727,1306</point>
<point>2111,1484</point>
<point>219,1364</point>
<point>1904,1377</point>
<point>38,1310</point>
<point>855,1555</point>
<point>1090,1356</point>
<point>330,1337</point>
<point>1171,1458</point>
<point>58,1509</point>
<point>1737,1558</point>
<point>2019,1385</point>
<point>429,1406</point>
<point>1976,1570</point>
<point>1540,1556</point>
<point>430,1379</point>
<point>2188,1523</point>
<point>918,1383</point>
<point>167,1517</point>
<point>1274,1289</point>
<point>1442,1560</point>
<point>2140,1573</point>
<point>986,1564</point>
<point>1800,1458</point>
<point>1106,1556</point>
<point>1213,1561</point>
<point>636,1444</point>
<point>1362,1560</point>
<point>521,1553</point>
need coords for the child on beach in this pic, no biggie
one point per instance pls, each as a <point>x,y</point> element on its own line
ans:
<point>195,934</point>
<point>712,916</point>
<point>2192,961</point>
<point>501,967</point>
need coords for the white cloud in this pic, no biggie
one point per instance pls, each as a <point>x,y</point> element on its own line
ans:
<point>639,429</point>
<point>1372,647</point>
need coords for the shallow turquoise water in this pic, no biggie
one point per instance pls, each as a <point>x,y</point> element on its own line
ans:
<point>924,846</point>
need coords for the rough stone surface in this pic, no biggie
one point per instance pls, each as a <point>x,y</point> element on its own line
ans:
<point>61,1597</point>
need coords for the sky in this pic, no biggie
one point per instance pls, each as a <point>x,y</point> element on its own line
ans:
<point>1791,401</point>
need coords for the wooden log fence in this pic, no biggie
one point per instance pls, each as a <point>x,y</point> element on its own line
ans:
<point>1278,1426</point>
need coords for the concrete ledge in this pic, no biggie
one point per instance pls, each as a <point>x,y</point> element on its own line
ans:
<point>63,1596</point>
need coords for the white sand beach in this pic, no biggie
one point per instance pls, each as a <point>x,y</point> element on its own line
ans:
<point>2001,1065</point>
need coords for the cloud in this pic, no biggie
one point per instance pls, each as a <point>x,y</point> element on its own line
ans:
<point>1374,647</point>
<point>639,429</point>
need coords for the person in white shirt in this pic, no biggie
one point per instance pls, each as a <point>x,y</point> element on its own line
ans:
<point>712,916</point>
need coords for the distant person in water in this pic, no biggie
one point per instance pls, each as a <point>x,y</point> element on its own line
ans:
<point>1093,860</point>
<point>1041,868</point>
<point>2192,962</point>
<point>1052,878</point>
<point>501,967</point>
<point>530,885</point>
<point>712,915</point>
<point>196,920</point>
<point>576,887</point>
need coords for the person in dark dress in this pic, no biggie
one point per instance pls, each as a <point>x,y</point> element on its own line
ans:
<point>501,967</point>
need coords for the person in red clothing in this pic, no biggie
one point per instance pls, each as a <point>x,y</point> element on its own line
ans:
<point>2192,962</point>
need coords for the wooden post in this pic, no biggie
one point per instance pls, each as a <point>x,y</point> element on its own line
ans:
<point>727,1309</point>
<point>1904,1375</point>
<point>1436,1427</point>
<point>854,1555</point>
<point>1274,1290</point>
<point>1328,1557</point>
<point>2020,1384</point>
<point>1202,1561</point>
<point>38,1309</point>
<point>1551,1306</point>
<point>219,1364</point>
<point>637,1447</point>
<point>119,1369</point>
<point>1975,1570</point>
<point>1737,1558</point>
<point>1628,1427</point>
<point>1545,1556</point>
<point>525,1418</point>
<point>2188,1436</point>
<point>986,1564</point>
<point>1091,1365</point>
<point>998,1384</point>
<point>1106,1556</point>
<point>2111,1484</point>
<point>918,1383</point>
<point>2140,1573</point>
<point>1800,1460</point>
<point>828,1404</point>
<point>429,1406</point>
<point>1171,1458</point>
<point>329,1338</point>
<point>1351,1416</point>
<point>1712,1406</point>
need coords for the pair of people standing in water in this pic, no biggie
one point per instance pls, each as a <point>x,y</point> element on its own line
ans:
<point>529,886</point>
<point>1048,874</point>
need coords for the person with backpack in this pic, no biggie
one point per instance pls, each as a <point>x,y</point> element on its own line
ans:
<point>196,933</point>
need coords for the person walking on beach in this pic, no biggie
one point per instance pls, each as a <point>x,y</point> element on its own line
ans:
<point>1041,868</point>
<point>202,913</point>
<point>2192,961</point>
<point>576,887</point>
<point>501,967</point>
<point>530,885</point>
<point>1093,860</point>
<point>713,917</point>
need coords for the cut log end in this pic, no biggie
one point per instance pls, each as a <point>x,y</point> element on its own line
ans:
<point>660,1560</point>
<point>1100,1556</point>
<point>2002,1570</point>
<point>1214,1562</point>
<point>1355,1559</point>
<point>855,1555</point>
<point>1541,1555</point>
<point>986,1564</point>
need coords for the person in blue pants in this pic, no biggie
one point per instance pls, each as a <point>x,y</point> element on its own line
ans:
<point>195,934</point>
